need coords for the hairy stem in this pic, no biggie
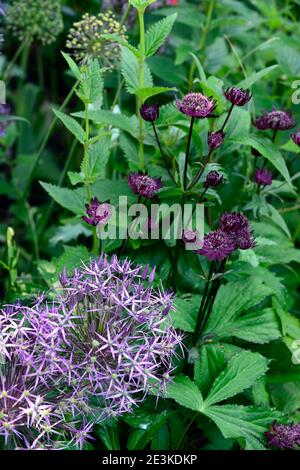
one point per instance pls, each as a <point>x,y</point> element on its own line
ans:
<point>188,148</point>
<point>142,51</point>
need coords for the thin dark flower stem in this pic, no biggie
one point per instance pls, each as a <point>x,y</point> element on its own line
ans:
<point>203,301</point>
<point>125,241</point>
<point>188,154</point>
<point>211,297</point>
<point>163,154</point>
<point>200,172</point>
<point>227,118</point>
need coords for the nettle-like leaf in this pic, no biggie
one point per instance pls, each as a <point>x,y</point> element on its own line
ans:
<point>117,120</point>
<point>73,200</point>
<point>158,33</point>
<point>93,85</point>
<point>72,125</point>
<point>130,72</point>
<point>242,371</point>
<point>98,156</point>
<point>145,93</point>
<point>73,66</point>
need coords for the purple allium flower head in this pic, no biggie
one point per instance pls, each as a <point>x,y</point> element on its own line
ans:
<point>263,177</point>
<point>97,213</point>
<point>238,96</point>
<point>215,139</point>
<point>217,245</point>
<point>144,185</point>
<point>213,179</point>
<point>284,436</point>
<point>196,105</point>
<point>296,138</point>
<point>237,226</point>
<point>150,112</point>
<point>122,340</point>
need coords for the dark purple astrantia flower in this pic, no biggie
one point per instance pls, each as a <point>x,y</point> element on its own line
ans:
<point>296,138</point>
<point>144,185</point>
<point>122,339</point>
<point>150,112</point>
<point>284,436</point>
<point>213,179</point>
<point>196,105</point>
<point>263,177</point>
<point>215,139</point>
<point>97,213</point>
<point>238,96</point>
<point>277,120</point>
<point>5,110</point>
<point>217,245</point>
<point>237,226</point>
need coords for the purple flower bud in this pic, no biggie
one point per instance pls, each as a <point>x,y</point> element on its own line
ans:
<point>144,185</point>
<point>217,245</point>
<point>261,122</point>
<point>150,112</point>
<point>263,177</point>
<point>244,239</point>
<point>213,179</point>
<point>215,139</point>
<point>284,436</point>
<point>97,213</point>
<point>196,105</point>
<point>238,96</point>
<point>231,222</point>
<point>296,138</point>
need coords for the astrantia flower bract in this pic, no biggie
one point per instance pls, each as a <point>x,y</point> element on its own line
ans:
<point>150,112</point>
<point>238,96</point>
<point>263,177</point>
<point>284,436</point>
<point>86,39</point>
<point>217,245</point>
<point>97,213</point>
<point>261,122</point>
<point>237,227</point>
<point>144,185</point>
<point>196,105</point>
<point>213,179</point>
<point>122,338</point>
<point>35,19</point>
<point>296,138</point>
<point>215,139</point>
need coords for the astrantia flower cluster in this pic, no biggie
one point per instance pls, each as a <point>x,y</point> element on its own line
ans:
<point>213,179</point>
<point>215,139</point>
<point>284,436</point>
<point>296,138</point>
<point>263,177</point>
<point>150,112</point>
<point>86,39</point>
<point>35,19</point>
<point>234,233</point>
<point>196,105</point>
<point>97,213</point>
<point>144,185</point>
<point>277,120</point>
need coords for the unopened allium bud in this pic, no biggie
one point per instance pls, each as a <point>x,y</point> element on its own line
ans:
<point>296,138</point>
<point>213,179</point>
<point>87,39</point>
<point>39,20</point>
<point>144,185</point>
<point>238,96</point>
<point>196,105</point>
<point>215,139</point>
<point>150,112</point>
<point>263,177</point>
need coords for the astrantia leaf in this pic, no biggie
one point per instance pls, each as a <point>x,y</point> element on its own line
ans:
<point>185,313</point>
<point>186,393</point>
<point>72,125</point>
<point>158,33</point>
<point>242,371</point>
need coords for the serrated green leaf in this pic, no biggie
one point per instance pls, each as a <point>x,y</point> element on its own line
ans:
<point>186,393</point>
<point>158,33</point>
<point>73,200</point>
<point>145,93</point>
<point>72,125</point>
<point>120,121</point>
<point>242,371</point>
<point>130,72</point>
<point>185,313</point>
<point>72,64</point>
<point>256,76</point>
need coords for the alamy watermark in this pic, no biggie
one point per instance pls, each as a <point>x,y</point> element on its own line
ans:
<point>160,221</point>
<point>2,92</point>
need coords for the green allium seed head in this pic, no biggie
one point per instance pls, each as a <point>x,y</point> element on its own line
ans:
<point>86,39</point>
<point>39,20</point>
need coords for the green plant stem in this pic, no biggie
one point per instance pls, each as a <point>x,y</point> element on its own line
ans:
<point>33,232</point>
<point>86,153</point>
<point>211,5</point>
<point>142,51</point>
<point>7,73</point>
<point>188,148</point>
<point>203,301</point>
<point>125,16</point>
<point>45,140</point>
<point>200,172</point>
<point>163,154</point>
